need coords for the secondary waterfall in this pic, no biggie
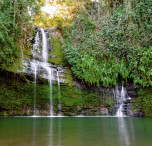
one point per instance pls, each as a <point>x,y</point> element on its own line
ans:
<point>121,98</point>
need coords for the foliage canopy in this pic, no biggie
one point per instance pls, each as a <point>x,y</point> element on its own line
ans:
<point>106,43</point>
<point>14,27</point>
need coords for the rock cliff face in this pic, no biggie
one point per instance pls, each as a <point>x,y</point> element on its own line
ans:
<point>27,89</point>
<point>110,101</point>
<point>17,98</point>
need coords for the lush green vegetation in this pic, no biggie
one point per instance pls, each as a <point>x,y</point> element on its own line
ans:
<point>111,40</point>
<point>17,97</point>
<point>15,28</point>
<point>144,102</point>
<point>57,56</point>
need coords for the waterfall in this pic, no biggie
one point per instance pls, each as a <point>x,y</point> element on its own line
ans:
<point>39,66</point>
<point>121,98</point>
<point>44,46</point>
<point>46,66</point>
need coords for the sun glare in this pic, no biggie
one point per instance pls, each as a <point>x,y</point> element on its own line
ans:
<point>51,10</point>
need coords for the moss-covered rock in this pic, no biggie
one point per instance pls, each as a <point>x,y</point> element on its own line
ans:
<point>17,98</point>
<point>57,56</point>
<point>143,103</point>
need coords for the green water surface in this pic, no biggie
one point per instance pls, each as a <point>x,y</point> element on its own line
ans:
<point>75,131</point>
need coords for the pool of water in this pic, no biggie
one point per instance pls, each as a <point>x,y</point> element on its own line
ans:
<point>75,131</point>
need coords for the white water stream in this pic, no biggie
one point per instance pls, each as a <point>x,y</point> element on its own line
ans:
<point>40,66</point>
<point>121,97</point>
<point>121,100</point>
<point>44,46</point>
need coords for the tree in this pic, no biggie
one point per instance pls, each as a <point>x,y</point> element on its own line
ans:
<point>15,26</point>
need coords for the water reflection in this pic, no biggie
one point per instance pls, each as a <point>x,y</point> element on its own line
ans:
<point>34,133</point>
<point>51,133</point>
<point>59,132</point>
<point>126,131</point>
<point>78,131</point>
<point>84,131</point>
<point>123,132</point>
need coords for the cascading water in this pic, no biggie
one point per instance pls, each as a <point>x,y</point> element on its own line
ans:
<point>40,67</point>
<point>121,97</point>
<point>44,46</point>
<point>121,100</point>
<point>50,75</point>
<point>46,66</point>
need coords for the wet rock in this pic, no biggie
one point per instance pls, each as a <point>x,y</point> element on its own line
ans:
<point>78,108</point>
<point>104,111</point>
<point>135,113</point>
